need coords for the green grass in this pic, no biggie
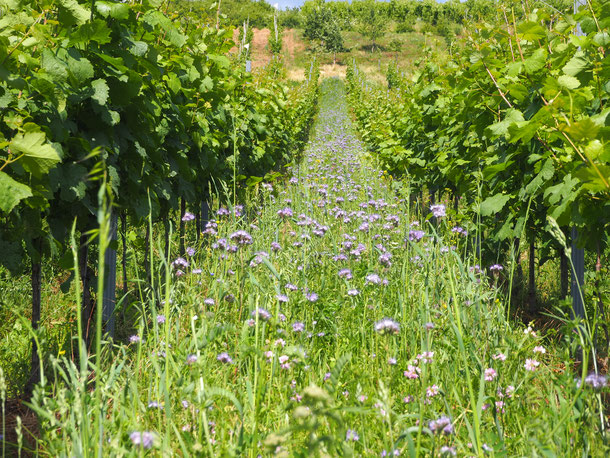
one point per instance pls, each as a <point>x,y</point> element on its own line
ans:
<point>338,372</point>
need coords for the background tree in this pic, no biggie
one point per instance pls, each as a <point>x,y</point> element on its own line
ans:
<point>321,27</point>
<point>372,21</point>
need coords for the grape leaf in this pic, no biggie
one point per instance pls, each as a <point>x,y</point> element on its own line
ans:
<point>12,192</point>
<point>493,204</point>
<point>71,12</point>
<point>38,155</point>
<point>568,82</point>
<point>113,10</point>
<point>100,88</point>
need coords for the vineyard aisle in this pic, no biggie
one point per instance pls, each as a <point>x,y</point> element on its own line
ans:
<point>330,317</point>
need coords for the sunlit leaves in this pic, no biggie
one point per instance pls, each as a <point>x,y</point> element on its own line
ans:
<point>11,192</point>
<point>38,155</point>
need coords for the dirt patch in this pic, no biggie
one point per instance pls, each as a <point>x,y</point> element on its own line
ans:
<point>260,51</point>
<point>332,71</point>
<point>29,428</point>
<point>292,44</point>
<point>296,74</point>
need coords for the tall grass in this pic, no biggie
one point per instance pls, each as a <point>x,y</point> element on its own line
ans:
<point>266,350</point>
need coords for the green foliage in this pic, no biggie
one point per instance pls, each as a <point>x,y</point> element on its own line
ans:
<point>233,13</point>
<point>371,21</point>
<point>148,100</point>
<point>202,379</point>
<point>275,39</point>
<point>517,120</point>
<point>321,26</point>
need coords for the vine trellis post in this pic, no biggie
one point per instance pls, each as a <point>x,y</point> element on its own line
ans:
<point>109,295</point>
<point>578,254</point>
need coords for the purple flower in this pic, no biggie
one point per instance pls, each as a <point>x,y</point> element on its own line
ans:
<point>241,237</point>
<point>351,435</point>
<point>345,273</point>
<point>144,439</point>
<point>442,424</point>
<point>188,217</point>
<point>180,262</point>
<point>224,358</point>
<point>595,381</point>
<point>416,235</point>
<point>496,269</point>
<point>448,451</point>
<point>285,212</point>
<point>191,359</point>
<point>387,326</point>
<point>353,292</point>
<point>275,246</point>
<point>311,297</point>
<point>459,230</point>
<point>135,339</point>
<point>262,314</point>
<point>438,210</point>
<point>160,319</point>
<point>385,259</point>
<point>373,278</point>
<point>282,298</point>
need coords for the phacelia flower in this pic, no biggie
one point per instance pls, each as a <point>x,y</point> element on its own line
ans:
<point>241,237</point>
<point>144,439</point>
<point>351,435</point>
<point>262,314</point>
<point>224,358</point>
<point>387,326</point>
<point>442,424</point>
<point>438,210</point>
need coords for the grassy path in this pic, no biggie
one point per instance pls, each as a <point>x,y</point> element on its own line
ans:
<point>333,320</point>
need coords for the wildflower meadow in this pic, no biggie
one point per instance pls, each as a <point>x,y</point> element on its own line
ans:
<point>289,288</point>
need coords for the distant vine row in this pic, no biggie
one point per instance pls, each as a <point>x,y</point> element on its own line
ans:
<point>515,122</point>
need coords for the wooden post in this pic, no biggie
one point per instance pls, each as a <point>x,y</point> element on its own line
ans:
<point>124,257</point>
<point>109,294</point>
<point>578,254</point>
<point>36,280</point>
<point>578,277</point>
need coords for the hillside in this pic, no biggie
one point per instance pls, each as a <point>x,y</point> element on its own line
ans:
<point>297,52</point>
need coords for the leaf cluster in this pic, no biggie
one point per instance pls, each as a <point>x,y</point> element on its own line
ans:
<point>516,122</point>
<point>148,99</point>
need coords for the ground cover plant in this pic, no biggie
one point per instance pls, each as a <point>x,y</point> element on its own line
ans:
<point>289,289</point>
<point>334,319</point>
<point>512,126</point>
